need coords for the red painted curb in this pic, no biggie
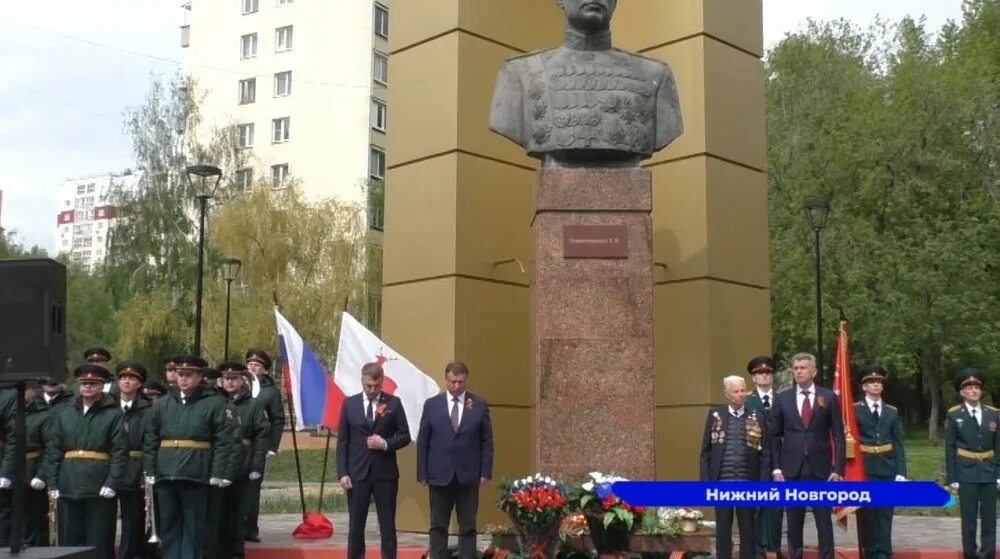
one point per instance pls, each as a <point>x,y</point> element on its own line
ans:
<point>340,552</point>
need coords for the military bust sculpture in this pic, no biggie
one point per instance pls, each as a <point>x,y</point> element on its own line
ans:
<point>587,103</point>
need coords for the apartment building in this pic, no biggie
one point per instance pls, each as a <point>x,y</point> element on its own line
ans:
<point>305,83</point>
<point>86,215</point>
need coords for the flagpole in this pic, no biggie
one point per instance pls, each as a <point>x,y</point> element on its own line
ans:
<point>295,447</point>
<point>329,432</point>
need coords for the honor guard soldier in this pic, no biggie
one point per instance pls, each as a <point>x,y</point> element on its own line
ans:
<point>259,364</point>
<point>251,434</point>
<point>767,519</point>
<point>972,446</point>
<point>85,460</point>
<point>213,530</point>
<point>102,358</point>
<point>187,449</point>
<point>880,434</point>
<point>55,395</point>
<point>8,407</point>
<point>152,390</point>
<point>132,497</point>
<point>170,372</point>
<point>36,501</point>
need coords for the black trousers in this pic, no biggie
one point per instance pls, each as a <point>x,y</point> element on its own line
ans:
<point>876,524</point>
<point>5,503</point>
<point>36,517</point>
<point>724,532</point>
<point>182,518</point>
<point>253,508</point>
<point>214,511</point>
<point>89,522</point>
<point>464,500</point>
<point>234,525</point>
<point>797,520</point>
<point>978,499</point>
<point>359,498</point>
<point>133,507</point>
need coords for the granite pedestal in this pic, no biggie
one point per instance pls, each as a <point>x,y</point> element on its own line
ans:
<point>592,304</point>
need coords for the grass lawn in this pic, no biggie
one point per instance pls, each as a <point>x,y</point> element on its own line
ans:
<point>282,466</point>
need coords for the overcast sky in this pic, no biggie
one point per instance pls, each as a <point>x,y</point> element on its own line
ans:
<point>69,68</point>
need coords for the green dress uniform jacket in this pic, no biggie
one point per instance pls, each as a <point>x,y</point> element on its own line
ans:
<point>251,436</point>
<point>971,456</point>
<point>37,421</point>
<point>767,519</point>
<point>270,397</point>
<point>188,442</point>
<point>134,423</point>
<point>61,401</point>
<point>8,407</point>
<point>881,445</point>
<point>86,452</point>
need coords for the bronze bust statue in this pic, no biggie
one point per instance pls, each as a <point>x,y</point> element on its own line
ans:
<point>587,103</point>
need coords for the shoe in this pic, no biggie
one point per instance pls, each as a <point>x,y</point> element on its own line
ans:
<point>253,539</point>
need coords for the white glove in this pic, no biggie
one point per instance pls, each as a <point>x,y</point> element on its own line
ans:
<point>54,494</point>
<point>903,478</point>
<point>107,492</point>
<point>271,454</point>
<point>37,484</point>
<point>954,485</point>
<point>225,483</point>
<point>254,476</point>
<point>215,482</point>
<point>151,480</point>
<point>4,483</point>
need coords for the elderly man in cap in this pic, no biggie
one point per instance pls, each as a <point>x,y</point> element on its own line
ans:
<point>85,461</point>
<point>971,450</point>
<point>187,449</point>
<point>880,434</point>
<point>36,502</point>
<point>251,436</point>
<point>259,365</point>
<point>135,409</point>
<point>767,520</point>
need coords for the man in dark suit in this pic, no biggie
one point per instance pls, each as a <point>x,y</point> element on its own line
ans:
<point>454,458</point>
<point>372,428</point>
<point>735,448</point>
<point>807,444</point>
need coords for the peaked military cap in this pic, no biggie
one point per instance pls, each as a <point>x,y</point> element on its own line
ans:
<point>872,372</point>
<point>969,376</point>
<point>260,356</point>
<point>96,354</point>
<point>92,372</point>
<point>761,364</point>
<point>211,373</point>
<point>232,368</point>
<point>132,368</point>
<point>190,363</point>
<point>155,386</point>
<point>48,381</point>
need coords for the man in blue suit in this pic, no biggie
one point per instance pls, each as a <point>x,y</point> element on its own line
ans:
<point>372,428</point>
<point>454,458</point>
<point>807,444</point>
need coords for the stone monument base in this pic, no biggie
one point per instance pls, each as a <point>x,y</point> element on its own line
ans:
<point>592,304</point>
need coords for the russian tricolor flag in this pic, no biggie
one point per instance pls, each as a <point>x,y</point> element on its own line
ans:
<point>316,399</point>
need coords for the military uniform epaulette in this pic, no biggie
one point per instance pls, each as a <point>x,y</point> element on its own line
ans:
<point>989,407</point>
<point>526,54</point>
<point>889,406</point>
<point>955,408</point>
<point>637,55</point>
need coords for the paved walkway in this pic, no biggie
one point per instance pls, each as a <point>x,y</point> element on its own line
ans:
<point>909,532</point>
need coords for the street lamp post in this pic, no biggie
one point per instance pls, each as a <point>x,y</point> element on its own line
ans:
<point>206,173</point>
<point>230,270</point>
<point>816,211</point>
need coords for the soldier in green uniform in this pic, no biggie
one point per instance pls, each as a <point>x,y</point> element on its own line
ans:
<point>55,395</point>
<point>8,407</point>
<point>85,461</point>
<point>187,449</point>
<point>36,501</point>
<point>213,529</point>
<point>252,441</point>
<point>880,434</point>
<point>132,497</point>
<point>152,390</point>
<point>259,364</point>
<point>102,358</point>
<point>170,372</point>
<point>767,519</point>
<point>972,447</point>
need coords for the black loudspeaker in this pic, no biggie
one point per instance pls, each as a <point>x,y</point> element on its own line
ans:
<point>32,319</point>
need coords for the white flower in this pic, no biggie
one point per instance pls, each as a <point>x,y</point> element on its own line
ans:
<point>589,486</point>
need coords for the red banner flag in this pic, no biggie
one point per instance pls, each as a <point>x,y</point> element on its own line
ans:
<point>854,469</point>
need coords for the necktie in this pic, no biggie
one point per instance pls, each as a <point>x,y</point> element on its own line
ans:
<point>806,409</point>
<point>767,402</point>
<point>875,411</point>
<point>454,414</point>
<point>974,417</point>
<point>370,416</point>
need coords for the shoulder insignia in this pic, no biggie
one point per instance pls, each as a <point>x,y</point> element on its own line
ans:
<point>890,407</point>
<point>525,55</point>
<point>989,407</point>
<point>858,404</point>
<point>955,408</point>
<point>658,62</point>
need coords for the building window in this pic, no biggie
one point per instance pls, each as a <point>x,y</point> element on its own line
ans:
<point>381,21</point>
<point>248,46</point>
<point>380,68</point>
<point>374,312</point>
<point>378,115</point>
<point>244,179</point>
<point>279,129</point>
<point>82,189</point>
<point>90,188</point>
<point>248,91</point>
<point>250,6</point>
<point>246,135</point>
<point>376,163</point>
<point>283,2</point>
<point>279,175</point>
<point>283,39</point>
<point>282,84</point>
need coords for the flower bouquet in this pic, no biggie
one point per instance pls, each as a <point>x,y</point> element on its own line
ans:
<point>610,520</point>
<point>687,518</point>
<point>536,506</point>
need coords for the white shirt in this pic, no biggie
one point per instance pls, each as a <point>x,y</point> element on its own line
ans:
<point>126,405</point>
<point>738,413</point>
<point>374,402</point>
<point>461,405</point>
<point>47,397</point>
<point>978,415</point>
<point>800,398</point>
<point>871,405</point>
<point>85,408</point>
<point>769,394</point>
